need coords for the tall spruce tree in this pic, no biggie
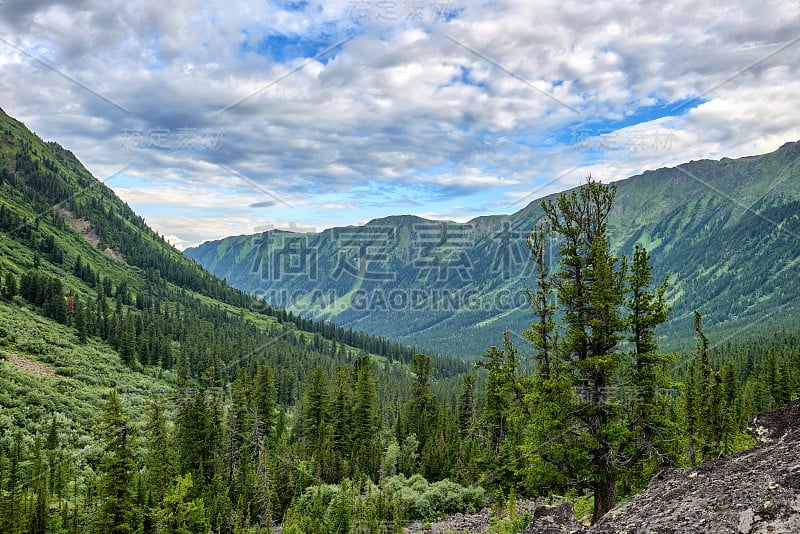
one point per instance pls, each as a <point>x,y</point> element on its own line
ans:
<point>365,421</point>
<point>116,512</point>
<point>420,413</point>
<point>39,516</point>
<point>505,411</point>
<point>11,516</point>
<point>315,407</point>
<point>542,332</point>
<point>582,375</point>
<point>710,403</point>
<point>264,401</point>
<point>652,418</point>
<point>550,392</point>
<point>466,407</point>
<point>341,421</point>
<point>159,457</point>
<point>198,437</point>
<point>10,287</point>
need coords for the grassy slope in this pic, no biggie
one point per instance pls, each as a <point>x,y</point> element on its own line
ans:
<point>74,395</point>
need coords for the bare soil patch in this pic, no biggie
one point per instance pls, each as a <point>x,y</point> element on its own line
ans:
<point>84,228</point>
<point>39,369</point>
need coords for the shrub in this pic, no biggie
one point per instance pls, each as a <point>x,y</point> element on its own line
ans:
<point>422,500</point>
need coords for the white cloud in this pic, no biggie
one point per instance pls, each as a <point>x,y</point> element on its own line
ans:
<point>416,115</point>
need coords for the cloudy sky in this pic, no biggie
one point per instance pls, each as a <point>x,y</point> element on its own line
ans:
<point>219,117</point>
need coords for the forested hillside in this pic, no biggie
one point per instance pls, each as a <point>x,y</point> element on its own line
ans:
<point>724,231</point>
<point>141,394</point>
<point>122,358</point>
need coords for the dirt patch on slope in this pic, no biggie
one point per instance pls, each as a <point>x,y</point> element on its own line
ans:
<point>81,226</point>
<point>30,366</point>
<point>84,228</point>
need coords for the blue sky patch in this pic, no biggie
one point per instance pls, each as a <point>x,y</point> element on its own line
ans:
<point>580,131</point>
<point>291,5</point>
<point>284,47</point>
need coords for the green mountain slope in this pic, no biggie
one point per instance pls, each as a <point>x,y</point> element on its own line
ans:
<point>726,232</point>
<point>93,299</point>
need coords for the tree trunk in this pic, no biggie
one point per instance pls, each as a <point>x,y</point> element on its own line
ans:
<point>605,497</point>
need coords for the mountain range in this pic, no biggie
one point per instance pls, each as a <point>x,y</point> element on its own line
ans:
<point>725,233</point>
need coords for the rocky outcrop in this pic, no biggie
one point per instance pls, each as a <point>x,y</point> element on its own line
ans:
<point>755,491</point>
<point>772,426</point>
<point>477,523</point>
<point>558,519</point>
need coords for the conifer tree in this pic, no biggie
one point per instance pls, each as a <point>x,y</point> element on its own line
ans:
<point>10,287</point>
<point>720,423</point>
<point>549,395</point>
<point>265,492</point>
<point>159,459</point>
<point>199,438</point>
<point>38,522</point>
<point>11,519</point>
<point>365,423</point>
<point>127,341</point>
<point>241,434</point>
<point>315,407</point>
<point>542,331</point>
<point>651,420</point>
<point>693,402</point>
<point>420,413</point>
<point>115,515</point>
<point>80,321</point>
<point>466,407</point>
<point>585,431</point>
<point>590,292</point>
<point>497,411</point>
<point>179,513</point>
<point>264,401</point>
<point>57,462</point>
<point>341,421</point>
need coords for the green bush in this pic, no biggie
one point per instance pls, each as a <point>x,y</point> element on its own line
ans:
<point>317,496</point>
<point>33,346</point>
<point>330,507</point>
<point>423,500</point>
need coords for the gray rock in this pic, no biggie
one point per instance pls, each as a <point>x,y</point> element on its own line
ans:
<point>558,519</point>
